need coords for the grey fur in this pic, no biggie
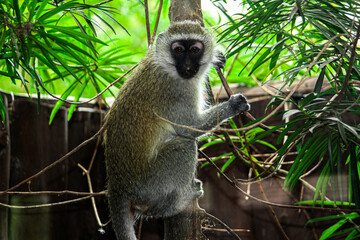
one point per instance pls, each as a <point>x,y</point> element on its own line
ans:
<point>151,163</point>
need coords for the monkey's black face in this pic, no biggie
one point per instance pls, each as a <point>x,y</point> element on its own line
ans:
<point>187,55</point>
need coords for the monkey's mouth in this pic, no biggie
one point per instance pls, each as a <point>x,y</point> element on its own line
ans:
<point>187,72</point>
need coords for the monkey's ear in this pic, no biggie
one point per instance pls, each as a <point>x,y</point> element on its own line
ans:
<point>220,60</point>
<point>160,37</point>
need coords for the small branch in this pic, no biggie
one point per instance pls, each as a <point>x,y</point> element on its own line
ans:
<point>64,192</point>
<point>46,204</point>
<point>232,65</point>
<point>229,230</point>
<point>156,23</point>
<point>87,173</point>
<point>147,22</point>
<point>140,228</point>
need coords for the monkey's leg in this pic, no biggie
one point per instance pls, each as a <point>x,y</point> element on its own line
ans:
<point>173,184</point>
<point>122,219</point>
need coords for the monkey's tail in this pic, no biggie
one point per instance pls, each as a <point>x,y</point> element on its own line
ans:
<point>122,218</point>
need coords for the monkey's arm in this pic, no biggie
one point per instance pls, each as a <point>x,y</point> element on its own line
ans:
<point>217,114</point>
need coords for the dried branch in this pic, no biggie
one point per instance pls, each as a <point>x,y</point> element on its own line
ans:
<point>64,192</point>
<point>231,231</point>
<point>147,22</point>
<point>93,203</point>
<point>45,204</point>
<point>156,23</point>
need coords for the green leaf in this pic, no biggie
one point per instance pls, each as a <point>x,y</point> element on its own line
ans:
<point>320,80</point>
<point>2,109</point>
<point>263,58</point>
<point>217,158</point>
<point>17,10</point>
<point>329,231</point>
<point>59,103</point>
<point>322,183</point>
<point>40,9</point>
<point>227,164</point>
<point>214,142</point>
<point>278,48</point>
<point>47,47</point>
<point>354,176</point>
<point>325,203</point>
<point>57,10</point>
<point>74,34</point>
<point>77,97</point>
<point>2,39</point>
<point>267,144</point>
<point>289,113</point>
<point>233,125</point>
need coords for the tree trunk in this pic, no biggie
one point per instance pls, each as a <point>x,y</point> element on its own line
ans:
<point>181,10</point>
<point>187,224</point>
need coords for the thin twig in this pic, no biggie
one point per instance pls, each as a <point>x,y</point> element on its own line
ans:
<point>140,228</point>
<point>45,204</point>
<point>147,22</point>
<point>87,173</point>
<point>156,24</point>
<point>64,192</point>
<point>223,224</point>
<point>232,65</point>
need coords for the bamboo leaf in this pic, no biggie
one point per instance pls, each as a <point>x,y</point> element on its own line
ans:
<point>320,80</point>
<point>77,97</point>
<point>64,96</point>
<point>56,10</point>
<point>2,109</point>
<point>217,158</point>
<point>227,164</point>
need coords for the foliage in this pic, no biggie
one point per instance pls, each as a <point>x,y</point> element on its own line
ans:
<point>59,47</point>
<point>38,46</point>
<point>298,39</point>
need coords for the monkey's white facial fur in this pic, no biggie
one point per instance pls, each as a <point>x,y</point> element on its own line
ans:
<point>183,33</point>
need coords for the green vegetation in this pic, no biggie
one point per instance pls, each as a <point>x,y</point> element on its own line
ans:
<point>77,49</point>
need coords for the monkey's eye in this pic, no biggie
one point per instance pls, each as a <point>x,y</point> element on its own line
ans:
<point>177,48</point>
<point>194,50</point>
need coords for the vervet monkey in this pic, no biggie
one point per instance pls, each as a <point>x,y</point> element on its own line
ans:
<point>151,163</point>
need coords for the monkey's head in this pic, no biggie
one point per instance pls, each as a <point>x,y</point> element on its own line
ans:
<point>185,50</point>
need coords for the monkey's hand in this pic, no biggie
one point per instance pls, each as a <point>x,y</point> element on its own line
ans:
<point>220,60</point>
<point>238,103</point>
